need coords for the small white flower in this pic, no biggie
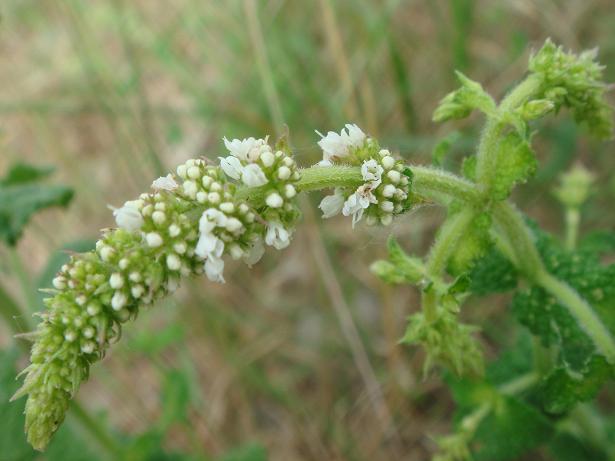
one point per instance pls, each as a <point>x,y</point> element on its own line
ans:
<point>356,204</point>
<point>371,171</point>
<point>118,301</point>
<point>332,204</point>
<point>274,200</point>
<point>231,166</point>
<point>253,176</point>
<point>240,148</point>
<point>210,219</point>
<point>214,267</point>
<point>165,183</point>
<point>116,280</point>
<point>355,135</point>
<point>128,217</point>
<point>336,146</point>
<point>333,146</point>
<point>173,262</point>
<point>277,235</point>
<point>153,239</point>
<point>208,244</point>
<point>255,253</point>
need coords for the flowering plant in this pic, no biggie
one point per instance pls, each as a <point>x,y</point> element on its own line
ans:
<point>194,219</point>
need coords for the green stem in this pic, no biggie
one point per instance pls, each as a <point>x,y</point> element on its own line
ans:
<point>583,313</point>
<point>530,263</point>
<point>520,237</point>
<point>486,161</point>
<point>573,218</point>
<point>447,240</point>
<point>426,181</point>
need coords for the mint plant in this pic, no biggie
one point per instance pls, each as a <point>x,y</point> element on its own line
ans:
<point>204,213</point>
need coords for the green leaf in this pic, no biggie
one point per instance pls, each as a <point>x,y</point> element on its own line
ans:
<point>461,102</point>
<point>563,388</point>
<point>508,427</point>
<point>546,318</point>
<point>516,164</point>
<point>400,267</point>
<point>510,430</point>
<point>175,399</point>
<point>22,194</point>
<point>493,273</point>
<point>565,447</point>
<point>443,147</point>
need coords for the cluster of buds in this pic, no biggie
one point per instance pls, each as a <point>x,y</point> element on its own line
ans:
<point>574,81</point>
<point>385,192</point>
<point>185,226</point>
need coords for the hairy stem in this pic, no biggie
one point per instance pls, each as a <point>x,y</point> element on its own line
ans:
<point>447,240</point>
<point>573,219</point>
<point>583,313</point>
<point>486,165</point>
<point>530,263</point>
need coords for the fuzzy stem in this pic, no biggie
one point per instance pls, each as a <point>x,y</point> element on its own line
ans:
<point>573,218</point>
<point>520,236</point>
<point>447,240</point>
<point>486,161</point>
<point>583,313</point>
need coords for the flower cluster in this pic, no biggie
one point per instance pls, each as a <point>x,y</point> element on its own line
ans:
<point>185,226</point>
<point>385,191</point>
<point>574,81</point>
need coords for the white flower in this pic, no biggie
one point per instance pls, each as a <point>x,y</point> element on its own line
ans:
<point>165,183</point>
<point>253,176</point>
<point>355,136</point>
<point>335,146</point>
<point>332,204</point>
<point>240,148</point>
<point>210,219</point>
<point>371,171</point>
<point>231,166</point>
<point>128,217</point>
<point>255,253</point>
<point>277,235</point>
<point>356,204</point>
<point>214,267</point>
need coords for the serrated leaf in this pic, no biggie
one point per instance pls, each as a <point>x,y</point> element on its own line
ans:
<point>510,427</point>
<point>510,430</point>
<point>400,267</point>
<point>563,388</point>
<point>516,164</point>
<point>493,273</point>
<point>461,102</point>
<point>22,195</point>
<point>581,371</point>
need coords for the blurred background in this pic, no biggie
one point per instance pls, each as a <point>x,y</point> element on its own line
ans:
<point>297,359</point>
